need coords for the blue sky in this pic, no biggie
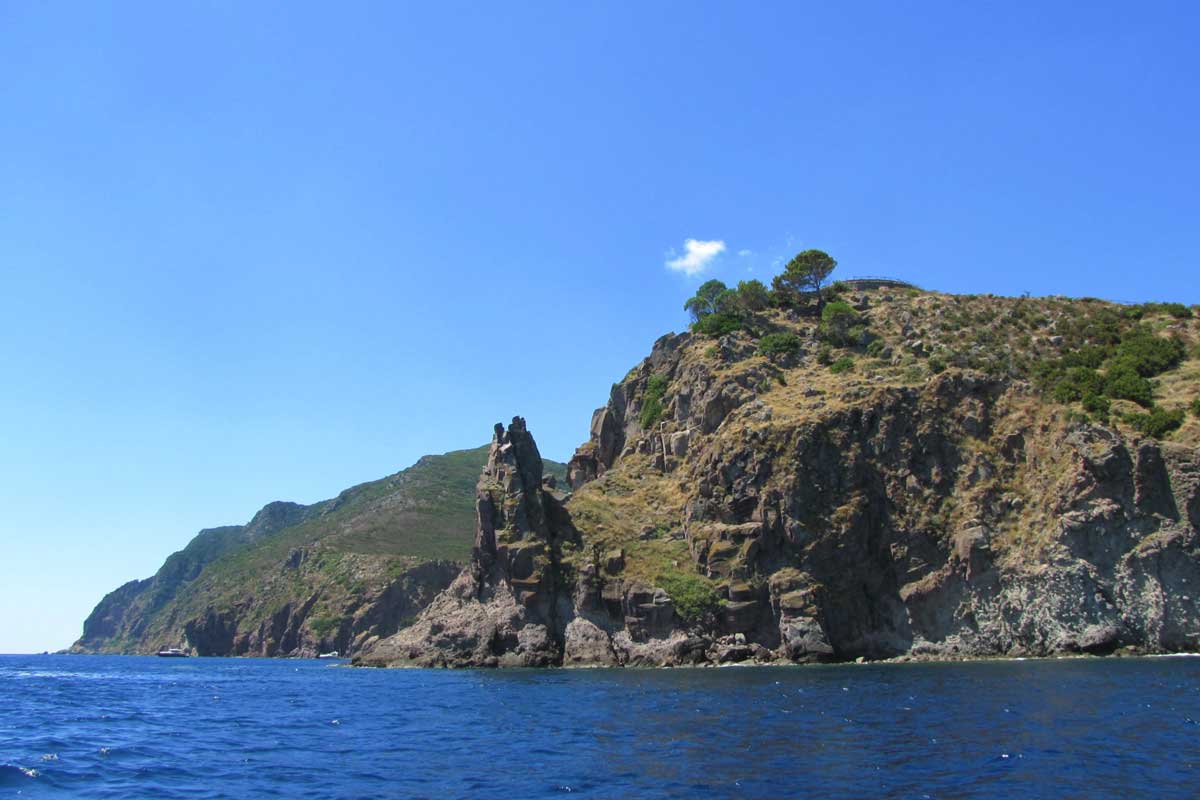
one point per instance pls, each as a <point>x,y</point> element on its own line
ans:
<point>258,253</point>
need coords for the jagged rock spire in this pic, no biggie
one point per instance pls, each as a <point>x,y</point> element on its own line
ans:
<point>509,495</point>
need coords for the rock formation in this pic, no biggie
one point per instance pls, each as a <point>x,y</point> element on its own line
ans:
<point>776,512</point>
<point>509,605</point>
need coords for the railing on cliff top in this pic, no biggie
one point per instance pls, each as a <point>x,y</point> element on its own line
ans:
<point>877,283</point>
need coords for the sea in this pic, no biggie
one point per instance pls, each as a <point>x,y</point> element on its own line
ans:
<point>134,727</point>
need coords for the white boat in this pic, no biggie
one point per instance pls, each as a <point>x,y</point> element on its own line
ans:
<point>171,652</point>
<point>330,654</point>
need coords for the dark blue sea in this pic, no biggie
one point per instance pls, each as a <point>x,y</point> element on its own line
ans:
<point>127,727</point>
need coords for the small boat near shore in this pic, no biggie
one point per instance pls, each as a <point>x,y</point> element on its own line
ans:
<point>172,652</point>
<point>330,654</point>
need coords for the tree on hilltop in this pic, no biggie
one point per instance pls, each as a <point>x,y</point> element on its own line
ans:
<point>805,273</point>
<point>752,296</point>
<point>708,299</point>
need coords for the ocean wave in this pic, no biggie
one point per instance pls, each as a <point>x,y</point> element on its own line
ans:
<point>12,775</point>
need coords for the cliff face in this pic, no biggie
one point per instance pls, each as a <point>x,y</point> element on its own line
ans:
<point>298,580</point>
<point>778,510</point>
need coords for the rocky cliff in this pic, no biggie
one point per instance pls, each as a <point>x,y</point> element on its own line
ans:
<point>298,580</point>
<point>511,604</point>
<point>913,489</point>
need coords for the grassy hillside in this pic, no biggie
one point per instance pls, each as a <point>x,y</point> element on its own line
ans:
<point>349,545</point>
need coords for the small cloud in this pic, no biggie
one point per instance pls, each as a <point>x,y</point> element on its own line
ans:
<point>697,256</point>
<point>744,253</point>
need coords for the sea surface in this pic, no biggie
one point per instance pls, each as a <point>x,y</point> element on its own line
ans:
<point>132,727</point>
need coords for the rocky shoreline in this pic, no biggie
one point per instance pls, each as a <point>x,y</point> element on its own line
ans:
<point>526,600</point>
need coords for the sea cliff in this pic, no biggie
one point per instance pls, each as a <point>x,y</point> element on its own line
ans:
<point>939,498</point>
<point>879,473</point>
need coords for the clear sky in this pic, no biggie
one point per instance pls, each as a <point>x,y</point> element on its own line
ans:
<point>253,252</point>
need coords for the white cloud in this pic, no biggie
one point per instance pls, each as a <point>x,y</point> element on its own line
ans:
<point>699,254</point>
<point>744,253</point>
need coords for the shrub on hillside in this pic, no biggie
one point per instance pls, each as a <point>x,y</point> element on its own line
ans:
<point>323,625</point>
<point>1156,422</point>
<point>1148,353</point>
<point>694,597</point>
<point>1176,310</point>
<point>1090,356</point>
<point>774,344</point>
<point>1097,404</point>
<point>652,408</point>
<point>1076,383</point>
<point>843,364</point>
<point>1122,382</point>
<point>718,324</point>
<point>1196,406</point>
<point>1127,359</point>
<point>838,319</point>
<point>1096,326</point>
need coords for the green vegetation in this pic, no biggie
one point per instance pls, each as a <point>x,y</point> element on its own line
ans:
<point>694,596</point>
<point>1157,422</point>
<point>774,344</point>
<point>752,296</point>
<point>1077,383</point>
<point>717,325</point>
<point>1122,382</point>
<point>839,323</point>
<point>324,625</point>
<point>1176,310</point>
<point>1196,406</point>
<point>652,408</point>
<point>843,364</point>
<point>804,274</point>
<point>1097,404</point>
<point>706,301</point>
<point>1148,353</point>
<point>1109,362</point>
<point>718,310</point>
